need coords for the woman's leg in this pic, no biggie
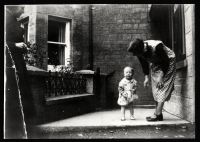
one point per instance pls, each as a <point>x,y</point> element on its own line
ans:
<point>123,112</point>
<point>155,111</point>
<point>158,113</point>
<point>159,108</point>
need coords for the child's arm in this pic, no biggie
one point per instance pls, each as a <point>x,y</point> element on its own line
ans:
<point>134,87</point>
<point>121,88</point>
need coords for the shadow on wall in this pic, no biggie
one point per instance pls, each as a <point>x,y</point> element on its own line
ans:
<point>184,109</point>
<point>180,103</point>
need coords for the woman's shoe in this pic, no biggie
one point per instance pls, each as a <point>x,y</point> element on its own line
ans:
<point>154,115</point>
<point>157,118</point>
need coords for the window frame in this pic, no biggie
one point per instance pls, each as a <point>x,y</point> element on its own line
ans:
<point>25,21</point>
<point>65,44</point>
<point>181,58</point>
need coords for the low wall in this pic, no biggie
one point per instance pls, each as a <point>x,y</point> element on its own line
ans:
<point>60,107</point>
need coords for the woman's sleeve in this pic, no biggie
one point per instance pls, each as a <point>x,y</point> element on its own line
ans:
<point>162,54</point>
<point>145,65</point>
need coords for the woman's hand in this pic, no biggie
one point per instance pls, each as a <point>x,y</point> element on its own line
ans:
<point>160,79</point>
<point>146,81</point>
<point>160,83</point>
<point>22,46</point>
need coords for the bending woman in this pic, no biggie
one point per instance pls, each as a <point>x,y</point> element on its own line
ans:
<point>154,56</point>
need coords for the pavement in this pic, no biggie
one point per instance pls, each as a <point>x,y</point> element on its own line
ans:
<point>106,124</point>
<point>111,118</point>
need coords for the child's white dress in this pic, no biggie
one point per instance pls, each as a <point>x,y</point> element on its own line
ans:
<point>127,91</point>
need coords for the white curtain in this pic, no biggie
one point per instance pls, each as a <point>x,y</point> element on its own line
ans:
<point>61,39</point>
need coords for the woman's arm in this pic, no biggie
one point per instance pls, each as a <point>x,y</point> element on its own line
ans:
<point>164,59</point>
<point>164,62</point>
<point>121,87</point>
<point>145,68</point>
<point>145,65</point>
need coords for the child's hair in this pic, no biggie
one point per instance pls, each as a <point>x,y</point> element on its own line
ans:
<point>128,67</point>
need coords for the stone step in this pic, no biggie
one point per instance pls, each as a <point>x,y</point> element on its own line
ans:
<point>144,106</point>
<point>153,131</point>
<point>111,118</point>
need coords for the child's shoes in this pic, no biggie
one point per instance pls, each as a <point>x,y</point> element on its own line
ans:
<point>132,118</point>
<point>123,119</point>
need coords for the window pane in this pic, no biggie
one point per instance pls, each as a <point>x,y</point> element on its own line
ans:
<point>26,32</point>
<point>178,23</point>
<point>56,31</point>
<point>56,54</point>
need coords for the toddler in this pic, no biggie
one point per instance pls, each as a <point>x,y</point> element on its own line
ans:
<point>127,92</point>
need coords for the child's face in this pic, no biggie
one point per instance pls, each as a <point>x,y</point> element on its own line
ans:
<point>128,74</point>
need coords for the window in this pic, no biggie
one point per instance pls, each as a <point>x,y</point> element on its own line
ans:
<point>160,23</point>
<point>58,41</point>
<point>168,25</point>
<point>179,32</point>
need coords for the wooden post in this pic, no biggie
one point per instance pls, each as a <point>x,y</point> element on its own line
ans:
<point>97,87</point>
<point>91,37</point>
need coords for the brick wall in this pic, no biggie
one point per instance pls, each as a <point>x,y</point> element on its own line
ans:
<point>182,102</point>
<point>114,26</point>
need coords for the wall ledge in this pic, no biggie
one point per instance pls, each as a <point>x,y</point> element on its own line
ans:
<point>61,99</point>
<point>85,72</point>
<point>181,64</point>
<point>36,71</point>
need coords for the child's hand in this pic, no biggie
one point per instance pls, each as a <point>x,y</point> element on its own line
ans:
<point>124,94</point>
<point>135,96</point>
<point>133,91</point>
<point>21,46</point>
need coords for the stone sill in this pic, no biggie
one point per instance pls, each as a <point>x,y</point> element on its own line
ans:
<point>36,71</point>
<point>85,72</point>
<point>61,99</point>
<point>181,64</point>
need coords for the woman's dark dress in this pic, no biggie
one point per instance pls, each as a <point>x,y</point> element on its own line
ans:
<point>14,124</point>
<point>162,62</point>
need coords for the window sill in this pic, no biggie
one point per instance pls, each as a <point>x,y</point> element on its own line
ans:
<point>61,99</point>
<point>53,42</point>
<point>181,64</point>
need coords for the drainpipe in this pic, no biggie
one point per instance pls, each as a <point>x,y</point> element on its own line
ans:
<point>90,37</point>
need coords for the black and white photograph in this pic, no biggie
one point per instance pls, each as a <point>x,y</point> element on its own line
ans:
<point>99,71</point>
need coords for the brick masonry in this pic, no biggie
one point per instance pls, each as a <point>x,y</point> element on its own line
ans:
<point>114,26</point>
